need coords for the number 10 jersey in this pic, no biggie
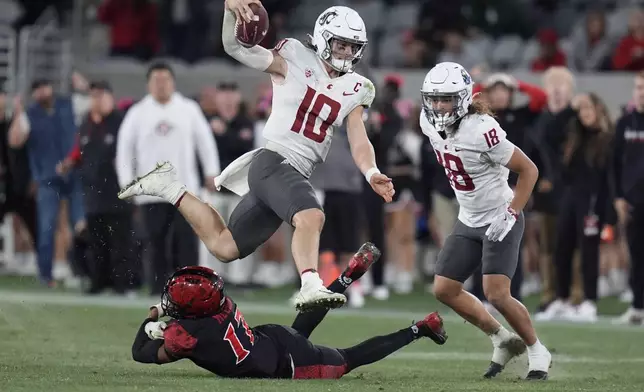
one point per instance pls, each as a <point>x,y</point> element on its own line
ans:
<point>308,106</point>
<point>474,157</point>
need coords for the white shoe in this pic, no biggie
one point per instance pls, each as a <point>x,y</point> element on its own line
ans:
<point>381,293</point>
<point>160,182</point>
<point>630,317</point>
<point>557,310</point>
<point>268,274</point>
<point>530,286</point>
<point>539,362</point>
<point>61,270</point>
<point>603,287</point>
<point>313,295</point>
<point>586,312</point>
<point>404,283</point>
<point>356,296</point>
<point>626,296</point>
<point>504,352</point>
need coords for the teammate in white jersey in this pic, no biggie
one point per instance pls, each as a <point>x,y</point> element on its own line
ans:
<point>314,91</point>
<point>477,157</point>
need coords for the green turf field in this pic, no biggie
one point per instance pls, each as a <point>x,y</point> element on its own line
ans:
<point>58,341</point>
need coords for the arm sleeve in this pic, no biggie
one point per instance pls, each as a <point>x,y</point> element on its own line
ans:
<point>178,342</point>
<point>206,145</point>
<point>126,148</point>
<point>144,349</point>
<point>538,97</point>
<point>256,57</point>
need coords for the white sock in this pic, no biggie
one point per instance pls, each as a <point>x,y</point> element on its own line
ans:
<point>536,347</point>
<point>311,278</point>
<point>499,336</point>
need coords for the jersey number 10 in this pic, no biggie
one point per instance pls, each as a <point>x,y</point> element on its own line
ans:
<point>307,114</point>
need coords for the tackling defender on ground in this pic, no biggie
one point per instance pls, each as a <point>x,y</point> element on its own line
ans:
<point>476,155</point>
<point>209,329</point>
<point>314,90</point>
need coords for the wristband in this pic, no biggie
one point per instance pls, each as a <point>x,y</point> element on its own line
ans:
<point>370,173</point>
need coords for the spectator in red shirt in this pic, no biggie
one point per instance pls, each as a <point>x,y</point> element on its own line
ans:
<point>133,27</point>
<point>629,55</point>
<point>550,54</point>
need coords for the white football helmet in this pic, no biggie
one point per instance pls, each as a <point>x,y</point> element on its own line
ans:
<point>343,24</point>
<point>446,81</point>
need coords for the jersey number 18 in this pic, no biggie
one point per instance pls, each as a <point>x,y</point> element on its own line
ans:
<point>307,114</point>
<point>455,170</point>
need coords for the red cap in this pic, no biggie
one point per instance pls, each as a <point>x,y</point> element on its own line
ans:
<point>547,36</point>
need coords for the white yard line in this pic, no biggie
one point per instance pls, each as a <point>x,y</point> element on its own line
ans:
<point>469,356</point>
<point>65,299</point>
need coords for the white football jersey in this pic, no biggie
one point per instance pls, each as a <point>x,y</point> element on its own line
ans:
<point>308,106</point>
<point>474,157</point>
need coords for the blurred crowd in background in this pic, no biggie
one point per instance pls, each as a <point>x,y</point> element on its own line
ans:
<point>59,152</point>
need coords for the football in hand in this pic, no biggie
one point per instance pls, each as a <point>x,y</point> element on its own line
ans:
<point>251,33</point>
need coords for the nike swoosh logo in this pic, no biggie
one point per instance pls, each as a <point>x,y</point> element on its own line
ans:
<point>457,149</point>
<point>346,95</point>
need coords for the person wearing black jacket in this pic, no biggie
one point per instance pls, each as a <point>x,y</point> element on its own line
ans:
<point>16,192</point>
<point>583,210</point>
<point>234,133</point>
<point>548,135</point>
<point>109,219</point>
<point>384,123</point>
<point>628,166</point>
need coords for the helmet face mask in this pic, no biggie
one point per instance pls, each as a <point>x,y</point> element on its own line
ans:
<point>446,94</point>
<point>340,38</point>
<point>442,110</point>
<point>193,292</point>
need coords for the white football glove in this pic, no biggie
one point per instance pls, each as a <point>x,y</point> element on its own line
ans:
<point>501,225</point>
<point>154,329</point>
<point>158,308</point>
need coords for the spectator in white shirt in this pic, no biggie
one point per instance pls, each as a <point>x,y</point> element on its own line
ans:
<point>166,126</point>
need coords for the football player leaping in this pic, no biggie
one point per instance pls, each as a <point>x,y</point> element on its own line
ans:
<point>476,155</point>
<point>314,90</point>
<point>208,328</point>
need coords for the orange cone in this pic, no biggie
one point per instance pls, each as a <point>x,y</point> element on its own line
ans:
<point>328,269</point>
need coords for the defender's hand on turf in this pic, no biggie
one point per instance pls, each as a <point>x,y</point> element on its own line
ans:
<point>382,185</point>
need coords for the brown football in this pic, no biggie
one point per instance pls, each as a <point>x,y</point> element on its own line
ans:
<point>252,33</point>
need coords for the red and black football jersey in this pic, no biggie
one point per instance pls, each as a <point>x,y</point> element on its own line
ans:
<point>225,345</point>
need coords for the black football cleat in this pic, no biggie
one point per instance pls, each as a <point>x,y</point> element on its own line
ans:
<point>360,263</point>
<point>542,361</point>
<point>508,350</point>
<point>432,327</point>
<point>537,375</point>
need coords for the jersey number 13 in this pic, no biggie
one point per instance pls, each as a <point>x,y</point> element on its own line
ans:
<point>307,114</point>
